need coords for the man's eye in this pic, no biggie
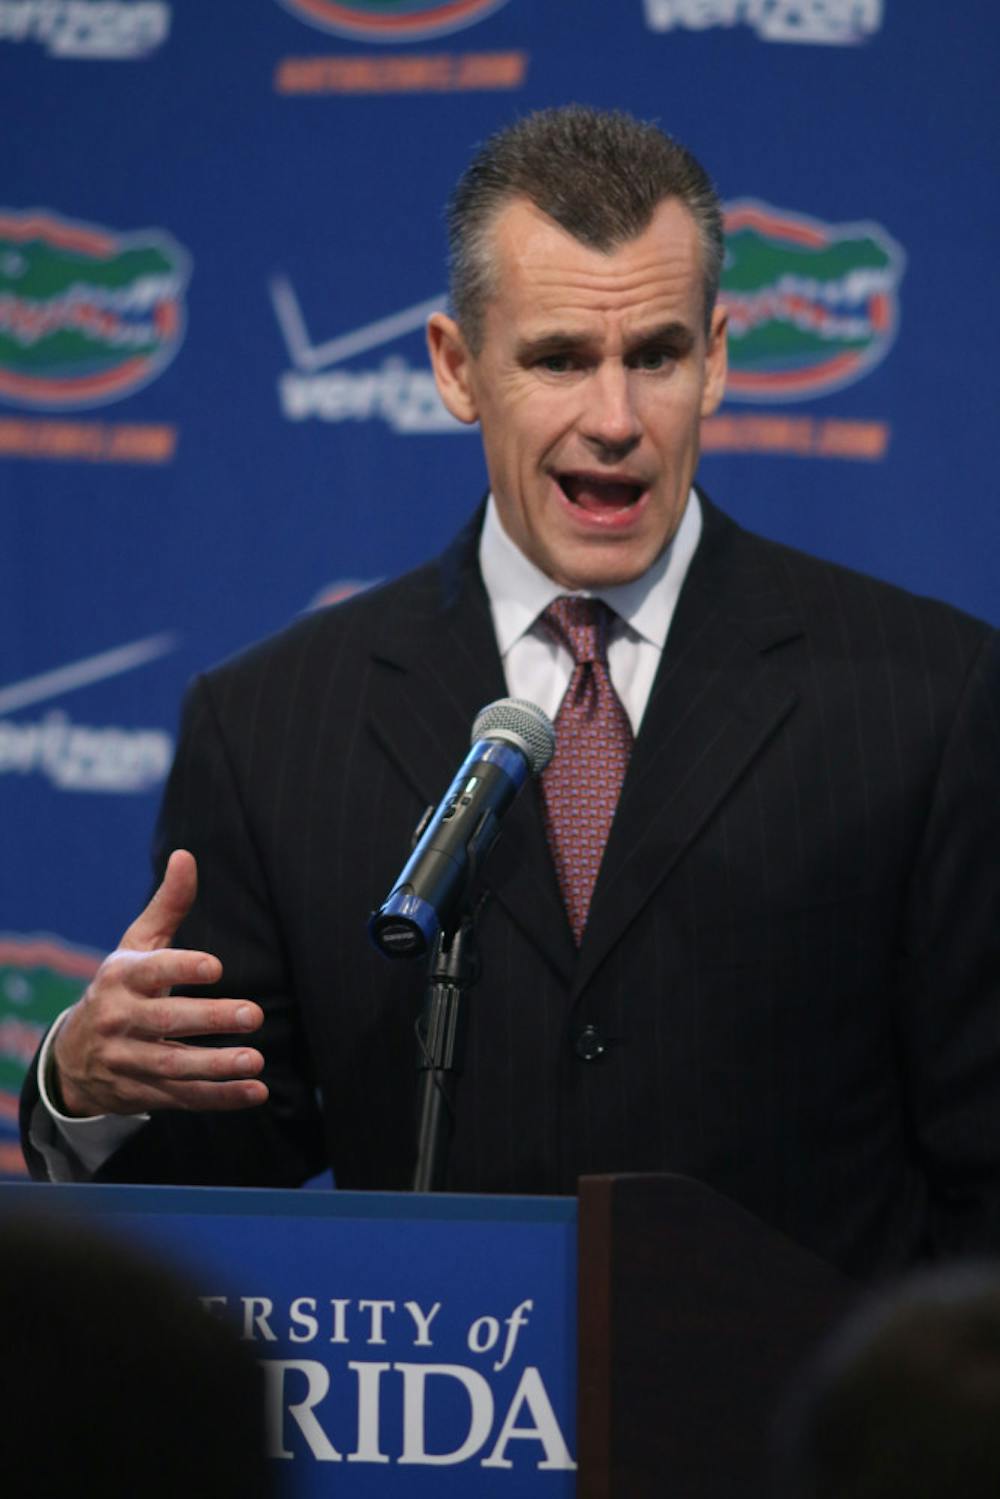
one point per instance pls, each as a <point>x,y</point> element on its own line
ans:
<point>653,359</point>
<point>556,364</point>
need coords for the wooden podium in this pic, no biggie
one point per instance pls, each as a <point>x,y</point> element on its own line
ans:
<point>693,1318</point>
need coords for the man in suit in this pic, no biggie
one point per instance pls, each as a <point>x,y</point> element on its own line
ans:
<point>785,979</point>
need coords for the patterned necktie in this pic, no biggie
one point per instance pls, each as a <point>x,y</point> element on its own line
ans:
<point>593,741</point>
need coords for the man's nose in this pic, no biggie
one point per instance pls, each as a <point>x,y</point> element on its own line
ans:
<point>610,419</point>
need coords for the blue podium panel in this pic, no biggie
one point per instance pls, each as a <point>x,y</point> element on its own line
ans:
<point>411,1345</point>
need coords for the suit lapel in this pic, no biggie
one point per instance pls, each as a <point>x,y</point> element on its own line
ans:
<point>717,700</point>
<point>434,665</point>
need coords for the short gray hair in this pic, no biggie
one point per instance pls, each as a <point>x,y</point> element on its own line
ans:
<point>600,174</point>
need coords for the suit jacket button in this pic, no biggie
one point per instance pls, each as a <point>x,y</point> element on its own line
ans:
<point>589,1044</point>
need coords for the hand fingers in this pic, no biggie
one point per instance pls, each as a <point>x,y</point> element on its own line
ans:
<point>137,1076</point>
<point>151,975</point>
<point>161,1063</point>
<point>206,1097</point>
<point>180,1016</point>
<point>218,1098</point>
<point>156,925</point>
<point>148,979</point>
<point>117,1051</point>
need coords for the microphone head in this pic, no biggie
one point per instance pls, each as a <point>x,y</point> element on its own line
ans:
<point>520,723</point>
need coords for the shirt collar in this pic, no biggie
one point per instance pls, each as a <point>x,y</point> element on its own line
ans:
<point>519,591</point>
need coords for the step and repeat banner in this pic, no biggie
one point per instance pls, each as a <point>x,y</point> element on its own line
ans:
<point>221,233</point>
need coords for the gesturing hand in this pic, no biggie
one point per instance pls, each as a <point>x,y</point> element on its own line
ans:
<point>118,1050</point>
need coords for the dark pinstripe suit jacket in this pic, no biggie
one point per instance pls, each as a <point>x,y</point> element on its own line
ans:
<point>792,955</point>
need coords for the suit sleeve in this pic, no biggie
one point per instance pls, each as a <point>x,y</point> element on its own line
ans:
<point>949,991</point>
<point>279,1143</point>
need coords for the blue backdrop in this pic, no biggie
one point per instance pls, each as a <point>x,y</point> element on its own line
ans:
<point>220,235</point>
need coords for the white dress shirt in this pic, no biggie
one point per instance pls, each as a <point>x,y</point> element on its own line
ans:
<point>536,667</point>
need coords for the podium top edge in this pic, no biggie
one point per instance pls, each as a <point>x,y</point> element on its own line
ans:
<point>102,1199</point>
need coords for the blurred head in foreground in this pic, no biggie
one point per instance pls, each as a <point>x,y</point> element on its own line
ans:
<point>114,1382</point>
<point>904,1402</point>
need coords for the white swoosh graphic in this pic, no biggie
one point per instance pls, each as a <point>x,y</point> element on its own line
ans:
<point>305,357</point>
<point>84,673</point>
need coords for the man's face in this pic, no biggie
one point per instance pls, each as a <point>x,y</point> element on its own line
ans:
<point>590,385</point>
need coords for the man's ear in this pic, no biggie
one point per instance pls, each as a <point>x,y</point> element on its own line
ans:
<point>452,366</point>
<point>716,363</point>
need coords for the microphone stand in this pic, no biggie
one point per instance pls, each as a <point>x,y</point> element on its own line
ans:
<point>510,738</point>
<point>453,969</point>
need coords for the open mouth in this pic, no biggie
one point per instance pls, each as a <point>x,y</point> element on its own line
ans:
<point>598,496</point>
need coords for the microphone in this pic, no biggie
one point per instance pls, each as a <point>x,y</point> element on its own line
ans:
<point>509,738</point>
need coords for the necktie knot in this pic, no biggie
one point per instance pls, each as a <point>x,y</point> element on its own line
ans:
<point>581,625</point>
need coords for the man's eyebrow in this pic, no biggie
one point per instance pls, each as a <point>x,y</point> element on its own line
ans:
<point>675,334</point>
<point>555,341</point>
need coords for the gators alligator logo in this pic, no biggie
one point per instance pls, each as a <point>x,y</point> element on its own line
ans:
<point>812,306</point>
<point>40,976</point>
<point>391,20</point>
<point>86,315</point>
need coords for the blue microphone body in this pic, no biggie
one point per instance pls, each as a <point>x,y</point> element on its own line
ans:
<point>433,882</point>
